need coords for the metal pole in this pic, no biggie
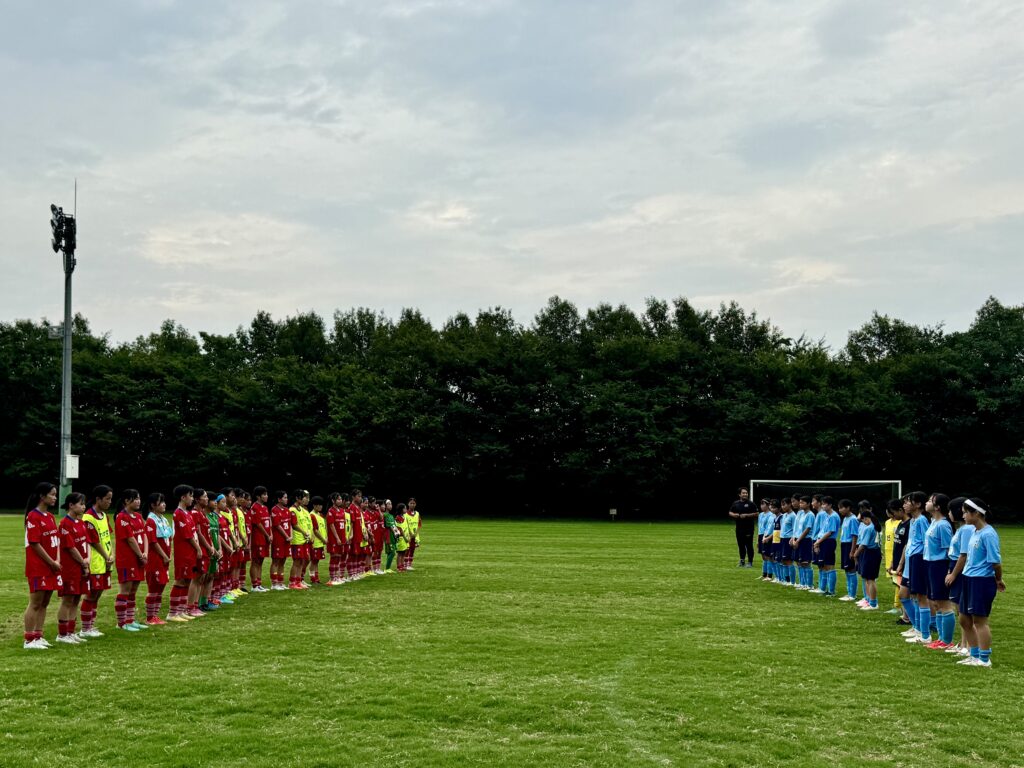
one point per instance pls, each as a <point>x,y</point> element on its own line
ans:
<point>65,404</point>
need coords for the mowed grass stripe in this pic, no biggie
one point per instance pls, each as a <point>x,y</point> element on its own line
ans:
<point>518,643</point>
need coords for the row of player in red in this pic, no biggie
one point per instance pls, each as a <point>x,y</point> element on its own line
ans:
<point>214,543</point>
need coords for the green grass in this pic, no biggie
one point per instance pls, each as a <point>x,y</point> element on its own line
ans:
<point>520,644</point>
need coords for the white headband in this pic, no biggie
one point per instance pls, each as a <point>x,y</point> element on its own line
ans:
<point>975,507</point>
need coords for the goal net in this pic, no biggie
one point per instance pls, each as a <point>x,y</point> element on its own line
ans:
<point>878,492</point>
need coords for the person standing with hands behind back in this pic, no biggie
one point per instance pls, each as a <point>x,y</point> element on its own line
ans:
<point>744,513</point>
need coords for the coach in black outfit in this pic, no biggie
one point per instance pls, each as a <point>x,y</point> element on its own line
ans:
<point>744,513</point>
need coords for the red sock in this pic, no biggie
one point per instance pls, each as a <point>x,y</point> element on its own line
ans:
<point>121,609</point>
<point>71,627</point>
<point>130,612</point>
<point>62,628</point>
<point>88,614</point>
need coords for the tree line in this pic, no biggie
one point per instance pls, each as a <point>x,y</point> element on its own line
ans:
<point>658,414</point>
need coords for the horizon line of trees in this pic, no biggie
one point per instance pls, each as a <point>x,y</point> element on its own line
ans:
<point>658,414</point>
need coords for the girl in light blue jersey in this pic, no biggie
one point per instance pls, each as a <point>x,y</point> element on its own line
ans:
<point>868,554</point>
<point>765,522</point>
<point>983,578</point>
<point>847,544</point>
<point>957,560</point>
<point>936,558</point>
<point>788,527</point>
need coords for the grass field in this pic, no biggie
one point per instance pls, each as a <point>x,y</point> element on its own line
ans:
<point>520,644</point>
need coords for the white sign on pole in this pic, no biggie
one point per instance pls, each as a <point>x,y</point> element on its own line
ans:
<point>72,466</point>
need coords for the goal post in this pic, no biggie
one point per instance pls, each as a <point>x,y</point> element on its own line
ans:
<point>878,492</point>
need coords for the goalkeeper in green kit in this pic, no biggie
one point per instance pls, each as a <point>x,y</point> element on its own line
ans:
<point>391,537</point>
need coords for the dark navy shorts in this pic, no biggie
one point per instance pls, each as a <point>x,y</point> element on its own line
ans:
<point>805,549</point>
<point>956,587</point>
<point>827,550</point>
<point>937,572</point>
<point>980,592</point>
<point>844,555</point>
<point>787,550</point>
<point>918,575</point>
<point>868,563</point>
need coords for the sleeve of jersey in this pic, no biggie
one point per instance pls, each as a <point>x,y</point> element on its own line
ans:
<point>33,531</point>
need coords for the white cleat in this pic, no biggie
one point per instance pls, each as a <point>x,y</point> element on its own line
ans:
<point>35,645</point>
<point>970,661</point>
<point>869,607</point>
<point>67,639</point>
<point>846,599</point>
<point>816,591</point>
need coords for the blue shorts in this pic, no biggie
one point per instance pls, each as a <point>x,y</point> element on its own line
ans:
<point>918,575</point>
<point>955,587</point>
<point>777,551</point>
<point>844,555</point>
<point>937,572</point>
<point>827,552</point>
<point>787,550</point>
<point>805,550</point>
<point>980,592</point>
<point>868,563</point>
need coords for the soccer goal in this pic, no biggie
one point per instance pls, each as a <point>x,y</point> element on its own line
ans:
<point>878,492</point>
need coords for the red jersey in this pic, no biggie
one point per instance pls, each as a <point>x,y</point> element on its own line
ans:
<point>335,519</point>
<point>261,515</point>
<point>357,524</point>
<point>225,530</point>
<point>201,525</point>
<point>41,529</point>
<point>280,516</point>
<point>155,564</point>
<point>128,526</point>
<point>184,532</point>
<point>74,534</point>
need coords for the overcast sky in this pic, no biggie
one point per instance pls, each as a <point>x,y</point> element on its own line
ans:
<point>814,161</point>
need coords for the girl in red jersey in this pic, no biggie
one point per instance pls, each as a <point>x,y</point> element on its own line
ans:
<point>42,561</point>
<point>377,538</point>
<point>198,591</point>
<point>187,555</point>
<point>356,558</point>
<point>281,521</point>
<point>74,574</point>
<point>335,520</point>
<point>261,537</point>
<point>243,528</point>
<point>131,555</point>
<point>159,532</point>
<point>101,555</point>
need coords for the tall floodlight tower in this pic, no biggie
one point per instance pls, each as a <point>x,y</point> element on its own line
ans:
<point>64,240</point>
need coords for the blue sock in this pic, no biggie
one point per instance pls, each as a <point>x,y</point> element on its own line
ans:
<point>808,576</point>
<point>851,584</point>
<point>820,586</point>
<point>925,620</point>
<point>792,574</point>
<point>950,627</point>
<point>873,602</point>
<point>832,581</point>
<point>985,654</point>
<point>976,652</point>
<point>933,622</point>
<point>911,609</point>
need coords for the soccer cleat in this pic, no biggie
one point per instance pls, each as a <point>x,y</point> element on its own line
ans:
<point>869,607</point>
<point>937,645</point>
<point>81,639</point>
<point>67,639</point>
<point>909,633</point>
<point>137,625</point>
<point>982,663</point>
<point>903,622</point>
<point>35,645</point>
<point>156,621</point>
<point>920,639</point>
<point>862,602</point>
<point>846,599</point>
<point>127,628</point>
<point>410,568</point>
<point>895,612</point>
<point>91,633</point>
<point>816,591</point>
<point>295,586</point>
<point>970,661</point>
<point>953,649</point>
<point>177,619</point>
<point>195,613</point>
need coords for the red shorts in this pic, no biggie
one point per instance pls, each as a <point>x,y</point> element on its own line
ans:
<point>300,552</point>
<point>260,551</point>
<point>129,574</point>
<point>318,554</point>
<point>185,570</point>
<point>224,564</point>
<point>50,583</point>
<point>156,577</point>
<point>99,582</point>
<point>336,549</point>
<point>203,565</point>
<point>73,584</point>
<point>243,556</point>
<point>281,551</point>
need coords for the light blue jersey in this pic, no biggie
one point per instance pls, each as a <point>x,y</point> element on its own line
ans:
<point>960,541</point>
<point>915,539</point>
<point>765,523</point>
<point>983,553</point>
<point>829,525</point>
<point>804,522</point>
<point>867,536</point>
<point>849,529</point>
<point>788,525</point>
<point>936,540</point>
<point>819,518</point>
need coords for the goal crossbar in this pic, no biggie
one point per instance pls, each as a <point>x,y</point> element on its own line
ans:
<point>791,481</point>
